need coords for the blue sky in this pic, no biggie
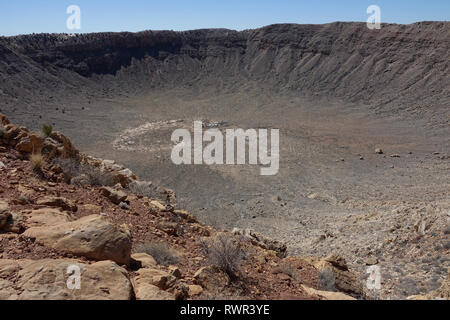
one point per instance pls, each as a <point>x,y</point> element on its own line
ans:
<point>20,16</point>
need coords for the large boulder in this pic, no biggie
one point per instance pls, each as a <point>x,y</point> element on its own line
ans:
<point>327,295</point>
<point>66,148</point>
<point>151,283</point>
<point>345,280</point>
<point>48,217</point>
<point>13,134</point>
<point>30,143</point>
<point>7,291</point>
<point>48,280</point>
<point>148,292</point>
<point>93,237</point>
<point>156,277</point>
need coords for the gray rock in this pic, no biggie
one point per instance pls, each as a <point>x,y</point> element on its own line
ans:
<point>113,195</point>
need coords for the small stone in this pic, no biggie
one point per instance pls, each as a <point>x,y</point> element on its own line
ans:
<point>124,206</point>
<point>175,271</point>
<point>284,277</point>
<point>171,228</point>
<point>114,196</point>
<point>371,261</point>
<point>379,151</point>
<point>195,290</point>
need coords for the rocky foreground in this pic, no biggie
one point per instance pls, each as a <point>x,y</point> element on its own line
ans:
<point>130,246</point>
<point>50,222</point>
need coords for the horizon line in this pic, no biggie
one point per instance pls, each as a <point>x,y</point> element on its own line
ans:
<point>218,28</point>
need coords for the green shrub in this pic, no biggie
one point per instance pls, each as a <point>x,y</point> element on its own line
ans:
<point>47,130</point>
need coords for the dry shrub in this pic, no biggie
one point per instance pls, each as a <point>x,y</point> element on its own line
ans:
<point>143,188</point>
<point>37,162</point>
<point>96,177</point>
<point>162,254</point>
<point>327,280</point>
<point>69,166</point>
<point>91,175</point>
<point>224,251</point>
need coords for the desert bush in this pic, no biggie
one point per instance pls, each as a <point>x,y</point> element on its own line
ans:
<point>162,254</point>
<point>327,280</point>
<point>23,199</point>
<point>96,177</point>
<point>47,130</point>
<point>37,162</point>
<point>142,188</point>
<point>290,271</point>
<point>225,252</point>
<point>93,176</point>
<point>69,166</point>
<point>2,131</point>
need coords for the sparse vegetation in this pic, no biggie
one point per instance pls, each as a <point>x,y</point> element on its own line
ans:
<point>23,199</point>
<point>92,176</point>
<point>47,130</point>
<point>327,280</point>
<point>96,177</point>
<point>37,162</point>
<point>142,188</point>
<point>290,271</point>
<point>224,252</point>
<point>162,254</point>
<point>2,131</point>
<point>69,166</point>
